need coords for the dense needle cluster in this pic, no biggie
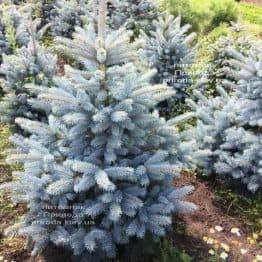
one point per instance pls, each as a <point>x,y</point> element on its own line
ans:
<point>4,45</point>
<point>219,65</point>
<point>31,63</point>
<point>66,15</point>
<point>228,131</point>
<point>134,14</point>
<point>102,152</point>
<point>169,48</point>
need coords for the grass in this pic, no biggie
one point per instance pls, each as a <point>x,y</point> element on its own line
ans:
<point>204,52</point>
<point>5,170</point>
<point>9,212</point>
<point>168,253</point>
<point>254,29</point>
<point>248,208</point>
<point>204,15</point>
<point>251,18</point>
<point>251,13</point>
<point>237,201</point>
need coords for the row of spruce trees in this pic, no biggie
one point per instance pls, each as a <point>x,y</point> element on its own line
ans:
<point>98,157</point>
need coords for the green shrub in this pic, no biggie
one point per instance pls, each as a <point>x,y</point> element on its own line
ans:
<point>251,13</point>
<point>224,11</point>
<point>193,12</point>
<point>204,15</point>
<point>222,30</point>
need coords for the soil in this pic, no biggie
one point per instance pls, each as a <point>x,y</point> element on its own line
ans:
<point>209,215</point>
<point>11,249</point>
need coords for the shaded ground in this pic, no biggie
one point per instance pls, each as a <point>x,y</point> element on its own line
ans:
<point>198,235</point>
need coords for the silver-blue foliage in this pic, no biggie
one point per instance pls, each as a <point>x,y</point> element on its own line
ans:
<point>228,134</point>
<point>13,28</point>
<point>4,45</point>
<point>15,21</point>
<point>245,140</point>
<point>30,64</point>
<point>219,65</point>
<point>46,8</point>
<point>249,86</point>
<point>134,14</point>
<point>66,15</point>
<point>169,48</point>
<point>103,160</point>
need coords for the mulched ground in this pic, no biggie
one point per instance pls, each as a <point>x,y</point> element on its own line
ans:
<point>200,227</point>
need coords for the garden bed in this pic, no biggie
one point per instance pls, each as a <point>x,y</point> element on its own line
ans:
<point>207,232</point>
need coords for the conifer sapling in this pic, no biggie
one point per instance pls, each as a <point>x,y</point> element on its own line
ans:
<point>134,14</point>
<point>227,135</point>
<point>66,15</point>
<point>30,64</point>
<point>219,66</point>
<point>170,50</point>
<point>102,152</point>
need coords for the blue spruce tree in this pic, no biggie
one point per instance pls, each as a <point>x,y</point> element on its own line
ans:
<point>134,14</point>
<point>214,116</point>
<point>13,29</point>
<point>66,15</point>
<point>227,135</point>
<point>241,155</point>
<point>170,50</point>
<point>100,172</point>
<point>4,45</point>
<point>15,2</point>
<point>46,10</point>
<point>63,14</point>
<point>30,64</point>
<point>15,22</point>
<point>219,65</point>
